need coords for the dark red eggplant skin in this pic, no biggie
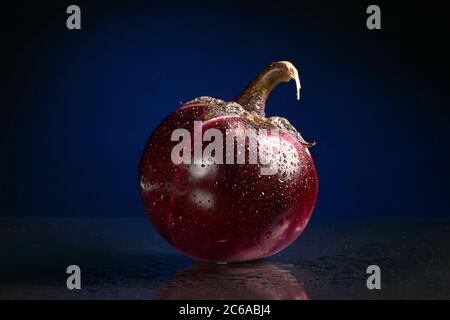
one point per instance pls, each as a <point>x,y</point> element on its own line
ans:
<point>225,212</point>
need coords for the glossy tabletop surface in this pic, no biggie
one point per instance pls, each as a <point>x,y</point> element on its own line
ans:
<point>125,259</point>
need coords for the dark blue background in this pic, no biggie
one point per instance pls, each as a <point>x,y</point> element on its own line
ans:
<point>78,106</point>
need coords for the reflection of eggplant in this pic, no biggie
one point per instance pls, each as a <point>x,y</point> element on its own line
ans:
<point>245,281</point>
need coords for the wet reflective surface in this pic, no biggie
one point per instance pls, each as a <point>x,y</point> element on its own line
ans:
<point>125,259</point>
<point>257,280</point>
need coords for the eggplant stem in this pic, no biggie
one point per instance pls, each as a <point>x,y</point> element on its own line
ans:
<point>253,98</point>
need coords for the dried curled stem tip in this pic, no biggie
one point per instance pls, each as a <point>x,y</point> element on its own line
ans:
<point>254,96</point>
<point>297,80</point>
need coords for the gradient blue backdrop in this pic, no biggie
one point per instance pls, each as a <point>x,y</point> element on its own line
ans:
<point>78,106</point>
